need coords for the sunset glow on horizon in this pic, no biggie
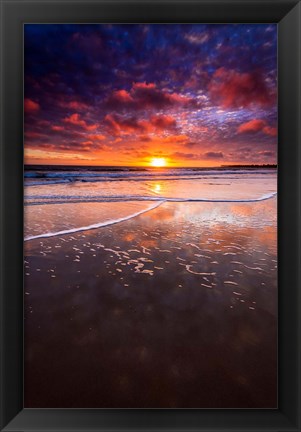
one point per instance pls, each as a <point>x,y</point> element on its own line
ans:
<point>154,95</point>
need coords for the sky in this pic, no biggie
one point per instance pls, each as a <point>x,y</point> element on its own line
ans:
<point>111,94</point>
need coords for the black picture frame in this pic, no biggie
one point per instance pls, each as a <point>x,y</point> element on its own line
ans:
<point>14,13</point>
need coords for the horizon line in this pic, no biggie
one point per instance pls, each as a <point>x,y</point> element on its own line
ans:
<point>148,166</point>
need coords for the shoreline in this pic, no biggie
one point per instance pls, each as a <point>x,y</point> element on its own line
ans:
<point>159,200</point>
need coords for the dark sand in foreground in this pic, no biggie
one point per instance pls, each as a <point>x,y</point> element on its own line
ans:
<point>174,308</point>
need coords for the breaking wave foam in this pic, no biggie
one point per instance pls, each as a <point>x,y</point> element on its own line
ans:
<point>61,199</point>
<point>159,201</point>
<point>93,226</point>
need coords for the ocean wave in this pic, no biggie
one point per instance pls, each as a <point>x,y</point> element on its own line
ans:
<point>37,178</point>
<point>72,199</point>
<point>45,183</point>
<point>93,226</point>
<point>130,179</point>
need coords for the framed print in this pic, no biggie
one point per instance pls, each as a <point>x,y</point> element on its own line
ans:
<point>150,187</point>
<point>150,215</point>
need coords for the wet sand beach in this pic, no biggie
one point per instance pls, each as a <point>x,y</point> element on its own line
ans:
<point>174,308</point>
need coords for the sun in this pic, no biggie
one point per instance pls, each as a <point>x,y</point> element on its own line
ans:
<point>158,162</point>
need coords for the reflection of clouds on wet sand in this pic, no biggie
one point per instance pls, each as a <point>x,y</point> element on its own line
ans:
<point>175,308</point>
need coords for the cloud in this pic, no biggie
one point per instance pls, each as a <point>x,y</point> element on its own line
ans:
<point>257,125</point>
<point>138,153</point>
<point>69,145</point>
<point>75,105</point>
<point>145,95</point>
<point>119,124</point>
<point>57,128</point>
<point>180,155</point>
<point>267,153</point>
<point>97,137</point>
<point>213,155</point>
<point>163,122</point>
<point>144,138</point>
<point>197,38</point>
<point>268,130</point>
<point>121,96</point>
<point>34,135</point>
<point>122,124</point>
<point>190,144</point>
<point>175,139</point>
<point>75,120</point>
<point>234,89</point>
<point>31,106</point>
<point>251,126</point>
<point>148,95</point>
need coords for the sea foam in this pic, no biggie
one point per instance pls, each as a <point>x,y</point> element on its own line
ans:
<point>93,226</point>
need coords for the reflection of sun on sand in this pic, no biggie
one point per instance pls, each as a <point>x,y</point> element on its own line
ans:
<point>157,188</point>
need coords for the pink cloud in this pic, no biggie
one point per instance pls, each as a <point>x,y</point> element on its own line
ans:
<point>123,124</point>
<point>268,130</point>
<point>146,95</point>
<point>31,106</point>
<point>251,126</point>
<point>97,137</point>
<point>119,124</point>
<point>257,125</point>
<point>176,139</point>
<point>57,128</point>
<point>122,96</point>
<point>75,120</point>
<point>163,122</point>
<point>234,89</point>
